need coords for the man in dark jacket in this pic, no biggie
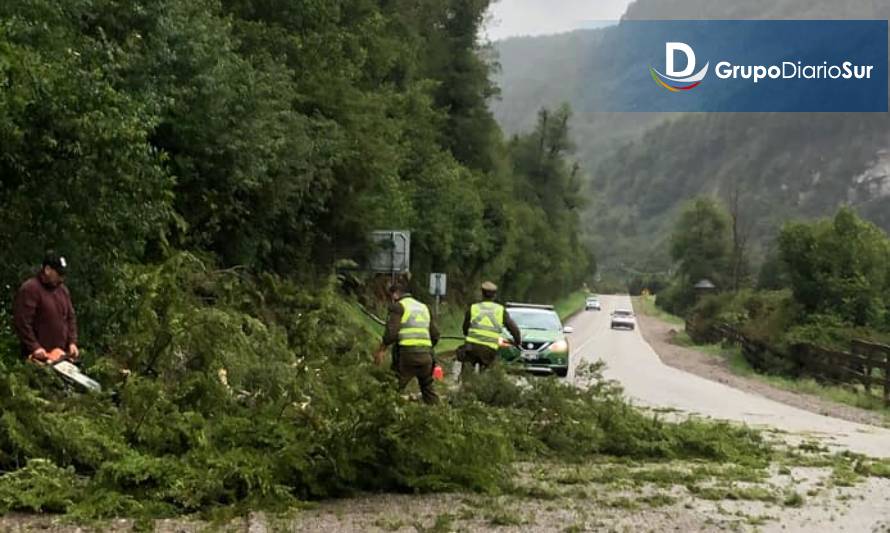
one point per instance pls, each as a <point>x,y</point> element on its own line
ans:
<point>43,316</point>
<point>483,326</point>
<point>412,332</point>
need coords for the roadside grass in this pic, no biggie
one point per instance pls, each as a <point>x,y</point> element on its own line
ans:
<point>855,397</point>
<point>571,304</point>
<point>646,305</point>
<point>450,322</point>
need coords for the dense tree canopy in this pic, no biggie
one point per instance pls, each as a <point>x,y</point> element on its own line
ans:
<point>273,135</point>
<point>702,249</point>
<point>839,267</point>
<point>701,244</point>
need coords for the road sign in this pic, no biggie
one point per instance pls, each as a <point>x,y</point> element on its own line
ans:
<point>392,252</point>
<point>438,284</point>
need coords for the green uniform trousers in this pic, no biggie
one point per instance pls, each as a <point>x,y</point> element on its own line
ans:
<point>410,364</point>
<point>476,354</point>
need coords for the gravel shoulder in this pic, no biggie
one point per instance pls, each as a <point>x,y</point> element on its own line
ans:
<point>660,335</point>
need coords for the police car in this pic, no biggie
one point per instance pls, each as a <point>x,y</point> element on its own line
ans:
<point>544,348</point>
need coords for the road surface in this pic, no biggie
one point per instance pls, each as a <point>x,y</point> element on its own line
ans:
<point>649,382</point>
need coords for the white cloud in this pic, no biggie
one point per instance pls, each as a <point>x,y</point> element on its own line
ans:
<point>509,18</point>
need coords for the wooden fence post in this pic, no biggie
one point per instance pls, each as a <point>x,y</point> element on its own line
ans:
<point>868,367</point>
<point>887,377</point>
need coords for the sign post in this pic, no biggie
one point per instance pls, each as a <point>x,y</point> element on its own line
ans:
<point>391,252</point>
<point>438,287</point>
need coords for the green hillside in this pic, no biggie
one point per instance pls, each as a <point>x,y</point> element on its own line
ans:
<point>779,166</point>
<point>644,166</point>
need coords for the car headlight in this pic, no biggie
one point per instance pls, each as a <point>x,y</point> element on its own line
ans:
<point>559,346</point>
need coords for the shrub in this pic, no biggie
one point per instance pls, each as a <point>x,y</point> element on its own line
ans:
<point>677,299</point>
<point>247,393</point>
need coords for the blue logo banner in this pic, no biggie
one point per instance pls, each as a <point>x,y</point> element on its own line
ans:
<point>740,66</point>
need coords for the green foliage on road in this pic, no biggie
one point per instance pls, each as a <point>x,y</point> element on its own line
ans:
<point>283,411</point>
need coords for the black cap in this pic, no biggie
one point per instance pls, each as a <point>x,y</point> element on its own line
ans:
<point>55,262</point>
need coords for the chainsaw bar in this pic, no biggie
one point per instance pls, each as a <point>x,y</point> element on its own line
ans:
<point>70,372</point>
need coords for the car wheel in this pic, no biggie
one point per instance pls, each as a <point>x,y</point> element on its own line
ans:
<point>561,372</point>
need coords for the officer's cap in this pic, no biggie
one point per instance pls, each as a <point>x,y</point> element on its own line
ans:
<point>489,287</point>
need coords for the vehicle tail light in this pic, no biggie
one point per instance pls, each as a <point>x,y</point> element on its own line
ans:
<point>559,346</point>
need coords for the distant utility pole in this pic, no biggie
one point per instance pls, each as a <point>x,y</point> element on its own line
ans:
<point>739,236</point>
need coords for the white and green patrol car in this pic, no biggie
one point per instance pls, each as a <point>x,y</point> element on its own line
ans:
<point>544,348</point>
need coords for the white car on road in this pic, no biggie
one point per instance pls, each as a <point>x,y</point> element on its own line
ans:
<point>622,318</point>
<point>593,303</point>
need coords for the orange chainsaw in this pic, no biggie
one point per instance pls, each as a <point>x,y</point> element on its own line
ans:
<point>58,360</point>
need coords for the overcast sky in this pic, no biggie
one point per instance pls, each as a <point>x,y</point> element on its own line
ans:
<point>536,17</point>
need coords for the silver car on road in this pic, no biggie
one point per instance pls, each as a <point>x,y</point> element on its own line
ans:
<point>623,319</point>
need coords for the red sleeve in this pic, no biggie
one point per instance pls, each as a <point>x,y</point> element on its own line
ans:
<point>23,310</point>
<point>72,321</point>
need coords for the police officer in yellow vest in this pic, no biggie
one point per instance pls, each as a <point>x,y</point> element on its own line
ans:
<point>484,324</point>
<point>411,329</point>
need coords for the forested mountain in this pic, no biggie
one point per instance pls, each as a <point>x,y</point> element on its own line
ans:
<point>644,166</point>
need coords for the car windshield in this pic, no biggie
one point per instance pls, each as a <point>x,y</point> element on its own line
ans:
<point>592,300</point>
<point>535,320</point>
<point>623,313</point>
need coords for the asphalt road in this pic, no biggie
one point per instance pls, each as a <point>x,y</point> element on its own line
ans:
<point>649,382</point>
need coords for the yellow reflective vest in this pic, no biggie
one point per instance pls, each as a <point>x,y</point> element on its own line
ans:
<point>414,331</point>
<point>486,324</point>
